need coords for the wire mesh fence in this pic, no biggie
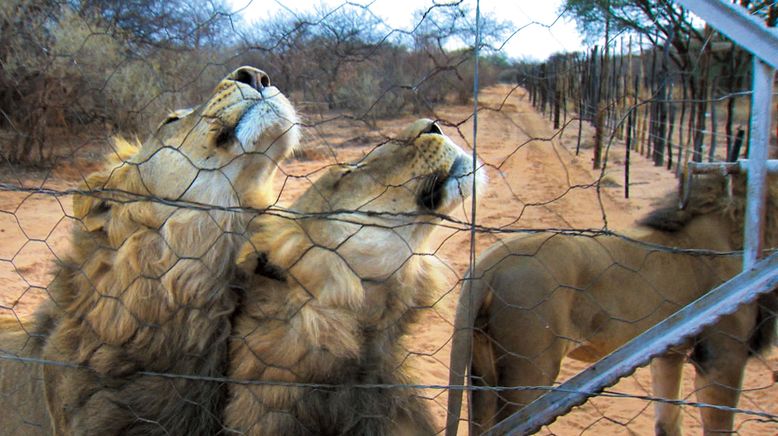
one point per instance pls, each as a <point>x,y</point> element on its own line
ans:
<point>343,220</point>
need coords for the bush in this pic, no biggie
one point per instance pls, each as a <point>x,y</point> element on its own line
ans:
<point>88,66</point>
<point>66,70</point>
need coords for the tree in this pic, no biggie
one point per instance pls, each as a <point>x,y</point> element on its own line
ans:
<point>25,94</point>
<point>350,59</point>
<point>161,23</point>
<point>67,65</point>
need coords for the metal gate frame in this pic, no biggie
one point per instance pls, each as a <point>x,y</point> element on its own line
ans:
<point>757,277</point>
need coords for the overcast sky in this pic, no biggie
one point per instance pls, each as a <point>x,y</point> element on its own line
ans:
<point>541,33</point>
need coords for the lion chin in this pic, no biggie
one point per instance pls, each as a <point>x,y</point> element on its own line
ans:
<point>328,294</point>
<point>145,289</point>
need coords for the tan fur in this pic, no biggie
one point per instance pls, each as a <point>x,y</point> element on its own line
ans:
<point>327,297</point>
<point>22,408</point>
<point>539,298</point>
<point>145,288</point>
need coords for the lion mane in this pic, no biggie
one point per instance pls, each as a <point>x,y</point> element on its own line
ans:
<point>538,298</point>
<point>145,291</point>
<point>715,195</point>
<point>328,294</point>
<point>23,408</point>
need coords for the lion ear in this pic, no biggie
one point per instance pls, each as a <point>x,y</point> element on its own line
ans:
<point>92,210</point>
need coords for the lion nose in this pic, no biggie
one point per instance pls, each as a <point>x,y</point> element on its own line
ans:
<point>253,77</point>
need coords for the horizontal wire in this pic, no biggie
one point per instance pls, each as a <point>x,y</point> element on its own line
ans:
<point>327,386</point>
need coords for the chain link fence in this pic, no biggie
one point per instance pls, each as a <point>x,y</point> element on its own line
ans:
<point>343,220</point>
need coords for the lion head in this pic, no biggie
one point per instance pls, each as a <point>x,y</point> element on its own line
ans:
<point>220,153</point>
<point>378,211</point>
<point>708,194</point>
<point>331,285</point>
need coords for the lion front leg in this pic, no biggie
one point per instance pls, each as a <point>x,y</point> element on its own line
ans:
<point>373,411</point>
<point>58,411</point>
<point>720,358</point>
<point>720,362</point>
<point>414,420</point>
<point>718,382</point>
<point>666,377</point>
<point>255,408</point>
<point>78,404</point>
<point>308,344</point>
<point>66,390</point>
<point>79,398</point>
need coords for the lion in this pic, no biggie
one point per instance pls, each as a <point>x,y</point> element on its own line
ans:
<point>330,288</point>
<point>538,298</point>
<point>146,290</point>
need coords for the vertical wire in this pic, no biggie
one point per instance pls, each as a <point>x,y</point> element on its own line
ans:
<point>474,201</point>
<point>474,198</point>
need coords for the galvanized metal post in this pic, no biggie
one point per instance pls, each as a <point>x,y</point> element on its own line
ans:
<point>763,78</point>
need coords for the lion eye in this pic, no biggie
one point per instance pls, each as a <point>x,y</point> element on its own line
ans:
<point>337,181</point>
<point>170,119</point>
<point>224,137</point>
<point>102,207</point>
<point>176,115</point>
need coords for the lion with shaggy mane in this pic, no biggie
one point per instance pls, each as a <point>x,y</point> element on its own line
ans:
<point>333,285</point>
<point>146,288</point>
<point>538,298</point>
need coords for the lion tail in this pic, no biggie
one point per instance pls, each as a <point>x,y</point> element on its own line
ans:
<point>765,333</point>
<point>471,301</point>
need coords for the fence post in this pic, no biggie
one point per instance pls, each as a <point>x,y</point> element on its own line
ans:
<point>763,78</point>
<point>760,40</point>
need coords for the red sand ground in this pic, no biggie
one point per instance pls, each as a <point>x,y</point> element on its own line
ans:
<point>535,182</point>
